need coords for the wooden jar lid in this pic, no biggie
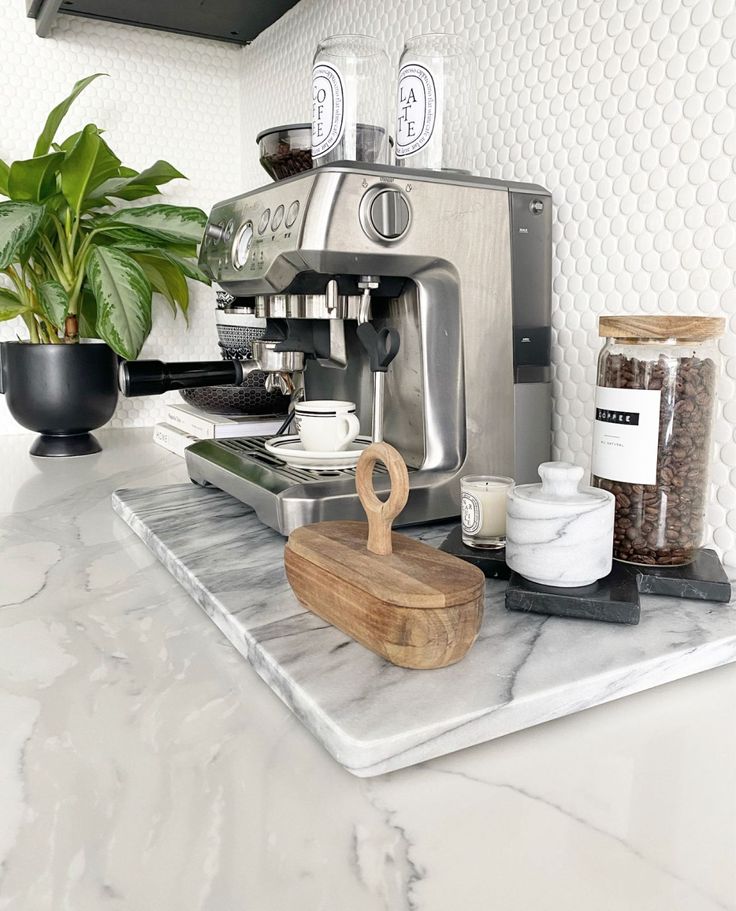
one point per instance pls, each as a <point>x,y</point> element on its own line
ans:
<point>687,328</point>
<point>412,575</point>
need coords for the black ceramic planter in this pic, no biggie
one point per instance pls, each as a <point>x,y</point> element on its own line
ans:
<point>61,391</point>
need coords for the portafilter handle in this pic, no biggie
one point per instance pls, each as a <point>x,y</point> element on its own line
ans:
<point>155,377</point>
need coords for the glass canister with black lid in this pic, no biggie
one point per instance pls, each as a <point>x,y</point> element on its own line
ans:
<point>655,406</point>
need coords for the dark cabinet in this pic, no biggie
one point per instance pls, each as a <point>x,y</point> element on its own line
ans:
<point>236,21</point>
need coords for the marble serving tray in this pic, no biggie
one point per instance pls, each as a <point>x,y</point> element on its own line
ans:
<point>373,717</point>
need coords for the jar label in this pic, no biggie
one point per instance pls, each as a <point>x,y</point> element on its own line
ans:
<point>328,109</point>
<point>472,514</point>
<point>626,434</point>
<point>416,109</point>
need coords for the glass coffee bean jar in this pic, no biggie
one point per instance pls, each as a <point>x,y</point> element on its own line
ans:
<point>655,404</point>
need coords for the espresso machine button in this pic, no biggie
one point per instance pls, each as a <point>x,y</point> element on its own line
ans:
<point>263,223</point>
<point>277,218</point>
<point>292,213</point>
<point>536,207</point>
<point>241,246</point>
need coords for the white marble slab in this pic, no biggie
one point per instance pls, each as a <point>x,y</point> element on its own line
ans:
<point>373,717</point>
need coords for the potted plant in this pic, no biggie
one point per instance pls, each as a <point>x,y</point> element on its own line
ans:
<point>78,264</point>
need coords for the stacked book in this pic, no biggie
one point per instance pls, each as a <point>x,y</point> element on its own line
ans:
<point>186,424</point>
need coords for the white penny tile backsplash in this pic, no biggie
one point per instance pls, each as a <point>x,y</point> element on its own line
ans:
<point>167,96</point>
<point>624,109</point>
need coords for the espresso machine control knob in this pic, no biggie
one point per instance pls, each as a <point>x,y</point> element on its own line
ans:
<point>385,213</point>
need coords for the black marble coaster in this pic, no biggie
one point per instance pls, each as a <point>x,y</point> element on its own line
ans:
<point>492,562</point>
<point>704,579</point>
<point>614,599</point>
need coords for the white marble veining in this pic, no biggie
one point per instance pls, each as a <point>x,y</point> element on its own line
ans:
<point>144,765</point>
<point>558,533</point>
<point>373,717</point>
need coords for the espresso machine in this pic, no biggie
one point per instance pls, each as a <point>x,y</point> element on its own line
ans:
<point>423,297</point>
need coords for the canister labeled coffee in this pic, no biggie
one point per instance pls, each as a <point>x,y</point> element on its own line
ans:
<point>655,403</point>
<point>349,100</point>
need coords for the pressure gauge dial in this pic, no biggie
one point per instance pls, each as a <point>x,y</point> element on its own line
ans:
<point>241,245</point>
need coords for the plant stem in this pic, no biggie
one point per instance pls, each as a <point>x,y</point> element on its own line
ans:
<point>71,329</point>
<point>64,249</point>
<point>85,245</point>
<point>30,321</point>
<point>74,292</point>
<point>15,279</point>
<point>52,333</point>
<point>73,238</point>
<point>59,272</point>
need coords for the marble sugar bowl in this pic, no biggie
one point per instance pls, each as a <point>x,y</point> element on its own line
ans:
<point>559,533</point>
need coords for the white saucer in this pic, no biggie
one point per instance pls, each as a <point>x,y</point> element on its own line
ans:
<point>290,450</point>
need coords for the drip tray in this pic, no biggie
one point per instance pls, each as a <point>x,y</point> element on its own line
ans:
<point>284,497</point>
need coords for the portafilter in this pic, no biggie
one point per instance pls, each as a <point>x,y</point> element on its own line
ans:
<point>155,377</point>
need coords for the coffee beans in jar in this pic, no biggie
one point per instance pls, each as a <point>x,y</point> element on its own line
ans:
<point>655,403</point>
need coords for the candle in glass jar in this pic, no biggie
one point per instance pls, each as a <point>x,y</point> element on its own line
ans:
<point>483,510</point>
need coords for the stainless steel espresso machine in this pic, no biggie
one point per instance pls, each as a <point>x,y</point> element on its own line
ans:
<point>422,297</point>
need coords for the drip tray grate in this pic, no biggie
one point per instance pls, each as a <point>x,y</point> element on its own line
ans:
<point>254,449</point>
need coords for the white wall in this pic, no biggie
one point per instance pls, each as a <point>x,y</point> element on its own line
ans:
<point>626,110</point>
<point>168,96</point>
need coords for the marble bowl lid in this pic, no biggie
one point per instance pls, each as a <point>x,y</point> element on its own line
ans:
<point>561,486</point>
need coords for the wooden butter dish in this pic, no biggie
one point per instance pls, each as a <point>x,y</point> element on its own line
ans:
<point>416,606</point>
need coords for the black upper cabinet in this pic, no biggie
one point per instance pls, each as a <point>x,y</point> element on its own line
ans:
<point>236,21</point>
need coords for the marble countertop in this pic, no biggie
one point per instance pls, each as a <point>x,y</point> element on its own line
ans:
<point>144,765</point>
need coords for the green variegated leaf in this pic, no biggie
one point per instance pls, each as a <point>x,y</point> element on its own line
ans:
<point>158,283</point>
<point>88,164</point>
<point>175,223</point>
<point>34,180</point>
<point>57,115</point>
<point>4,175</point>
<point>10,305</point>
<point>87,314</point>
<point>166,278</point>
<point>53,302</point>
<point>189,267</point>
<point>130,240</point>
<point>99,199</point>
<point>123,295</point>
<point>19,222</point>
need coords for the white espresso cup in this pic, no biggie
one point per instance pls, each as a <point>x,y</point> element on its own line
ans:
<point>326,426</point>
